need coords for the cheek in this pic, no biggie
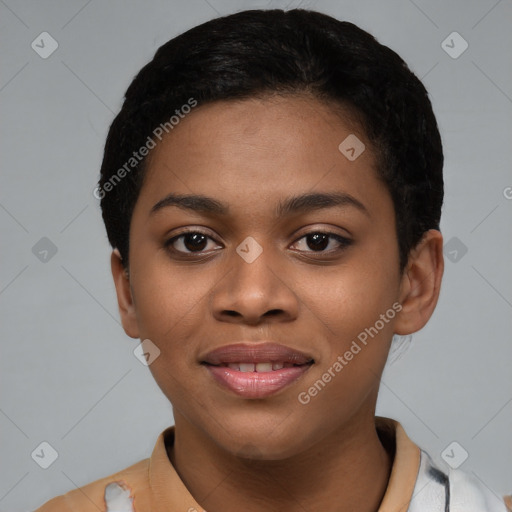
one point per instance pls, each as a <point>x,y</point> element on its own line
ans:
<point>353,298</point>
<point>359,314</point>
<point>170,309</point>
<point>168,312</point>
<point>165,295</point>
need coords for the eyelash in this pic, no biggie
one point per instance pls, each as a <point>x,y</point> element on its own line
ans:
<point>343,241</point>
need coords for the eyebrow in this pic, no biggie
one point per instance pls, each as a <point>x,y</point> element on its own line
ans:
<point>293,205</point>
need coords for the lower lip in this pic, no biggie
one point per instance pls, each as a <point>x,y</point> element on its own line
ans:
<point>256,384</point>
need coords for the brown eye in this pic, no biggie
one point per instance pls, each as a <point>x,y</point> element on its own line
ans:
<point>194,241</point>
<point>318,241</point>
<point>189,242</point>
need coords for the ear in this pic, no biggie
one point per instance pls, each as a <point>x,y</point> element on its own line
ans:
<point>421,283</point>
<point>124,295</point>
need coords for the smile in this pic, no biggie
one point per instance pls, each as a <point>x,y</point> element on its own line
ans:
<point>258,367</point>
<point>256,370</point>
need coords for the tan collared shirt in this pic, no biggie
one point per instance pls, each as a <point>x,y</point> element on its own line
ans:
<point>156,486</point>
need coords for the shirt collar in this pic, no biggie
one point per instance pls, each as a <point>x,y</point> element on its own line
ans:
<point>405,468</point>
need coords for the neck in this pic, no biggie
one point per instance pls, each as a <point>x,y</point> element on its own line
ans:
<point>347,470</point>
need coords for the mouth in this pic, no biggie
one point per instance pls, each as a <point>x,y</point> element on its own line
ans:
<point>268,366</point>
<point>256,370</point>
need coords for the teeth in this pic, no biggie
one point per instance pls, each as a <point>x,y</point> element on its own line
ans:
<point>264,367</point>
<point>258,367</point>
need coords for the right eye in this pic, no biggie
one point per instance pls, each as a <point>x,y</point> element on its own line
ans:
<point>188,242</point>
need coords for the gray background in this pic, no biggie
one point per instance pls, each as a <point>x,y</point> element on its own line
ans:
<point>68,373</point>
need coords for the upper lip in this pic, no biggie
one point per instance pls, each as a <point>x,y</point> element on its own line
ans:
<point>256,353</point>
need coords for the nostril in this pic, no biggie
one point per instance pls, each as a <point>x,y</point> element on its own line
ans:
<point>274,312</point>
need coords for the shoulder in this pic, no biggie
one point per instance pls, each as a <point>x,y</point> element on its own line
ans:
<point>468,493</point>
<point>91,497</point>
<point>454,490</point>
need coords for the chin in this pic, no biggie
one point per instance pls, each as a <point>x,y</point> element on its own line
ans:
<point>262,442</point>
<point>264,451</point>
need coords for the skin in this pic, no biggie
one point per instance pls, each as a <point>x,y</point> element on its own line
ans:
<point>273,453</point>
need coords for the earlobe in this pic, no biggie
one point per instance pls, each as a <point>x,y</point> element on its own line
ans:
<point>124,295</point>
<point>421,283</point>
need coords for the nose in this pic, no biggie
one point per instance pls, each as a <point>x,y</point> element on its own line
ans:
<point>255,291</point>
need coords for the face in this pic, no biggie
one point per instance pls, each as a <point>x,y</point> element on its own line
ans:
<point>250,267</point>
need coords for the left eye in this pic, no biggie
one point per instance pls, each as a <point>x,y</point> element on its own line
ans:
<point>319,240</point>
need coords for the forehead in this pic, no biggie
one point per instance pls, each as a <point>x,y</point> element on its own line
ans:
<point>257,150</point>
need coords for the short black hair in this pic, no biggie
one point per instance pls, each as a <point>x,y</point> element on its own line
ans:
<point>257,52</point>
